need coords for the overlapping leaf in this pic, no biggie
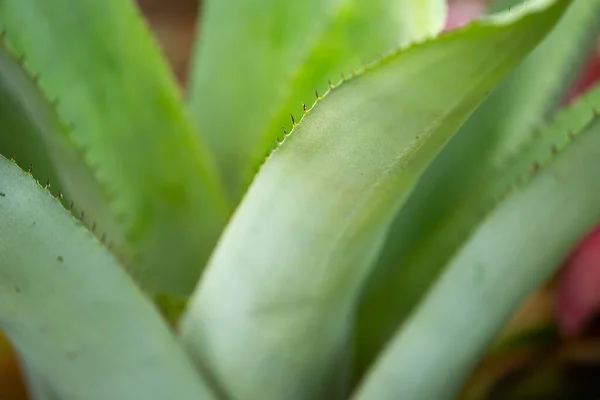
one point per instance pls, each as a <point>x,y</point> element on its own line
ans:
<point>75,317</point>
<point>258,61</point>
<point>32,132</point>
<point>469,175</point>
<point>273,315</point>
<point>98,59</point>
<point>511,253</point>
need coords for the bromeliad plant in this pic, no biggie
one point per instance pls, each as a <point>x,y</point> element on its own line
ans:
<point>374,252</point>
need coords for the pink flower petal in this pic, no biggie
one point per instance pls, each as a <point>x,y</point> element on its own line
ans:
<point>589,76</point>
<point>578,297</point>
<point>461,12</point>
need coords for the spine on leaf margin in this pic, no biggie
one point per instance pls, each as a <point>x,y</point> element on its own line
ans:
<point>79,219</point>
<point>66,130</point>
<point>66,126</point>
<point>554,146</point>
<point>366,67</point>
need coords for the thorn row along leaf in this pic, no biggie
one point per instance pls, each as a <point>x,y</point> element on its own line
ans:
<point>67,127</point>
<point>543,130</point>
<point>526,176</point>
<point>79,219</point>
<point>60,197</point>
<point>365,67</point>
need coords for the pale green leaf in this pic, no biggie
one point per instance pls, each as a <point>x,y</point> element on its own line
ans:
<point>469,174</point>
<point>31,130</point>
<point>422,19</point>
<point>516,247</point>
<point>273,314</point>
<point>256,62</point>
<point>75,317</point>
<point>100,61</point>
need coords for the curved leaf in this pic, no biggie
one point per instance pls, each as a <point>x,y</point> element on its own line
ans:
<point>518,245</point>
<point>31,130</point>
<point>100,61</point>
<point>468,175</point>
<point>18,136</point>
<point>281,287</point>
<point>256,62</point>
<point>533,92</point>
<point>74,315</point>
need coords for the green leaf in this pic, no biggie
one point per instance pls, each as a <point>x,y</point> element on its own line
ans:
<point>73,314</point>
<point>100,61</point>
<point>18,131</point>
<point>504,5</point>
<point>257,62</point>
<point>421,19</point>
<point>533,91</point>
<point>31,130</point>
<point>281,288</point>
<point>468,176</point>
<point>517,246</point>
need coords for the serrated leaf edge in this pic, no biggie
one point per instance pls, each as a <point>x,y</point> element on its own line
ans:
<point>399,51</point>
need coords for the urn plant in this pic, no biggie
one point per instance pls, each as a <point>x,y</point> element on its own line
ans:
<point>346,203</point>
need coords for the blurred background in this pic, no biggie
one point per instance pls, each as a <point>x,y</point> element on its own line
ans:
<point>174,24</point>
<point>550,350</point>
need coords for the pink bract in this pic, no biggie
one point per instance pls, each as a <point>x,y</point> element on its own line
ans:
<point>461,12</point>
<point>578,297</point>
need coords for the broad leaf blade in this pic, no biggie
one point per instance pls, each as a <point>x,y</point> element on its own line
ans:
<point>452,232</point>
<point>518,245</point>
<point>281,287</point>
<point>114,86</point>
<point>468,175</point>
<point>74,315</point>
<point>257,62</point>
<point>31,130</point>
